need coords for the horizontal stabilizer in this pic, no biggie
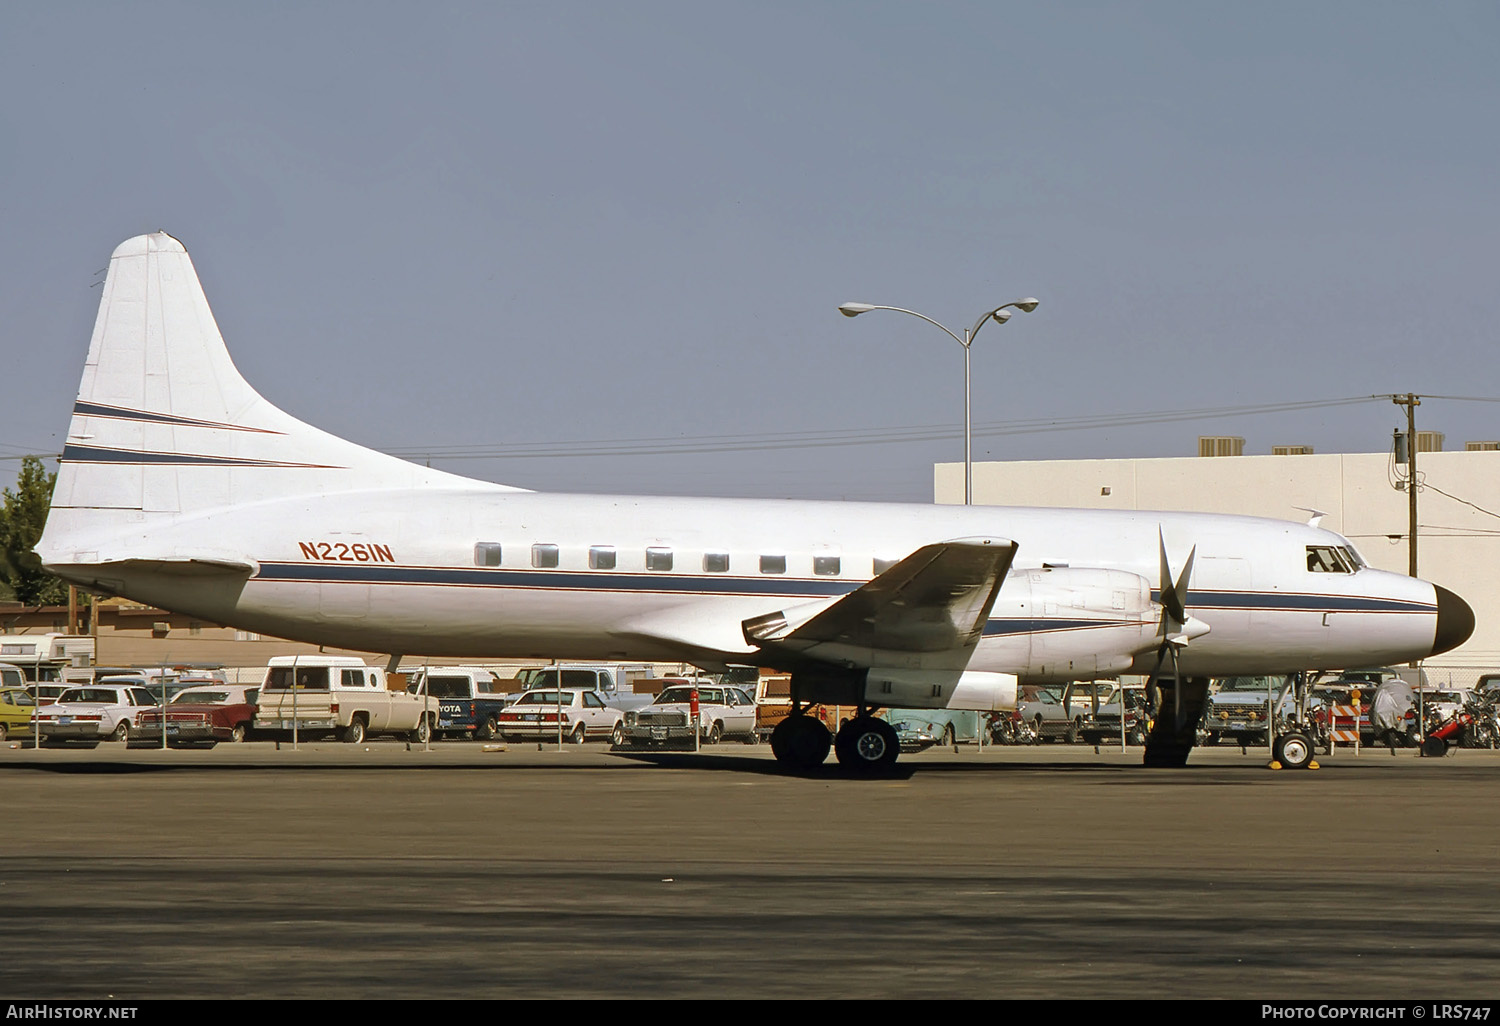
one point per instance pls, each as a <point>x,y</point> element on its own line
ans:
<point>213,567</point>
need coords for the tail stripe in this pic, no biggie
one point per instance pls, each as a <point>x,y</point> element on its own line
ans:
<point>97,454</point>
<point>83,409</point>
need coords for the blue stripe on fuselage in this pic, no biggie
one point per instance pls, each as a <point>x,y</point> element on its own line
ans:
<point>785,587</point>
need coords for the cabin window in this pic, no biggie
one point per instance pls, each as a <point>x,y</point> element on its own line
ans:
<point>658,559</point>
<point>882,565</point>
<point>1326,559</point>
<point>773,564</point>
<point>487,554</point>
<point>826,565</point>
<point>601,557</point>
<point>715,562</point>
<point>544,556</point>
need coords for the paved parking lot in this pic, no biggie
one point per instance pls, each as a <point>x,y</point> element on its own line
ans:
<point>378,871</point>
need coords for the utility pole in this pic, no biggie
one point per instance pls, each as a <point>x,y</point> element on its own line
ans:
<point>1411,402</point>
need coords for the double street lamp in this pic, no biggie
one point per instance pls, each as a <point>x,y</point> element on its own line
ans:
<point>999,315</point>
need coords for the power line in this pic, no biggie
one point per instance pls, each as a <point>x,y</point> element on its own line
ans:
<point>844,437</point>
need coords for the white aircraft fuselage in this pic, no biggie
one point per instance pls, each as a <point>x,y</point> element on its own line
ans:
<point>182,487</point>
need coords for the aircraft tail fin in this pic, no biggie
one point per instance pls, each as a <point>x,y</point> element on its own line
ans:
<point>164,421</point>
<point>165,424</point>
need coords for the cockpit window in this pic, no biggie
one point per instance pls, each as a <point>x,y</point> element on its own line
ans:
<point>1330,559</point>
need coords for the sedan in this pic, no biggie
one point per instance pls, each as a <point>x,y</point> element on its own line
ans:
<point>201,715</point>
<point>571,715</point>
<point>93,713</point>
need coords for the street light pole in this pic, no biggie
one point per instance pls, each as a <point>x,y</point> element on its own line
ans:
<point>999,315</point>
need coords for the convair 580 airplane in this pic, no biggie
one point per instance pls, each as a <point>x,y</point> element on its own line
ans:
<point>182,487</point>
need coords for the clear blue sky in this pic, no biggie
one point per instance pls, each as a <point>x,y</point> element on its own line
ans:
<point>500,225</point>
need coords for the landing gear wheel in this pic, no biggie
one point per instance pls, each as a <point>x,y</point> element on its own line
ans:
<point>1293,751</point>
<point>1435,747</point>
<point>867,745</point>
<point>800,742</point>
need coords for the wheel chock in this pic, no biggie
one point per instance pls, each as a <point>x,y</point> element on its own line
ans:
<point>1314,765</point>
<point>1273,764</point>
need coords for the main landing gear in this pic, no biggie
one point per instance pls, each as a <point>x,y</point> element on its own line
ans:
<point>865,744</point>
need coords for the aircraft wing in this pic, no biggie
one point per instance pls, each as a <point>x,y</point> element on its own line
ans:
<point>927,611</point>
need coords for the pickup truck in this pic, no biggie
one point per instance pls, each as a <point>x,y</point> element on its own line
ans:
<point>623,686</point>
<point>468,699</point>
<point>321,695</point>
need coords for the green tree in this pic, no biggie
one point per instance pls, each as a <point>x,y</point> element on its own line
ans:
<point>21,524</point>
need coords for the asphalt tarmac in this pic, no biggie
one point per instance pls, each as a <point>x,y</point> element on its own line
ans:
<point>378,871</point>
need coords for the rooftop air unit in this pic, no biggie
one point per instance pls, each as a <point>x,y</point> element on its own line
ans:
<point>1291,450</point>
<point>1220,445</point>
<point>1481,446</point>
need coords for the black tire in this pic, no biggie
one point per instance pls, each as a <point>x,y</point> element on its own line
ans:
<point>1294,750</point>
<point>715,734</point>
<point>800,742</point>
<point>4,732</point>
<point>240,734</point>
<point>867,745</point>
<point>949,739</point>
<point>617,736</point>
<point>355,732</point>
<point>576,738</point>
<point>1435,747</point>
<point>1070,735</point>
<point>490,728</point>
<point>422,732</point>
<point>121,732</point>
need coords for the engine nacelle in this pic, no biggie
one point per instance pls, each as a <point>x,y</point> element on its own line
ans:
<point>1070,623</point>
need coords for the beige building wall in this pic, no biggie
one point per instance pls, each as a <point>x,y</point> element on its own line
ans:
<point>1458,538</point>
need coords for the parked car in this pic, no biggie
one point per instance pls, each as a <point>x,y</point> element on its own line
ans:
<point>535,716</point>
<point>1103,726</point>
<point>200,715</point>
<point>723,712</point>
<point>1238,710</point>
<point>1487,685</point>
<point>93,713</point>
<point>317,695</point>
<point>1043,717</point>
<point>913,732</point>
<point>624,686</point>
<point>469,699</point>
<point>952,726</point>
<point>16,710</point>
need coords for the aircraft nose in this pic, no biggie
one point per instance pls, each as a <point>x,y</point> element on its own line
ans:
<point>1455,621</point>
